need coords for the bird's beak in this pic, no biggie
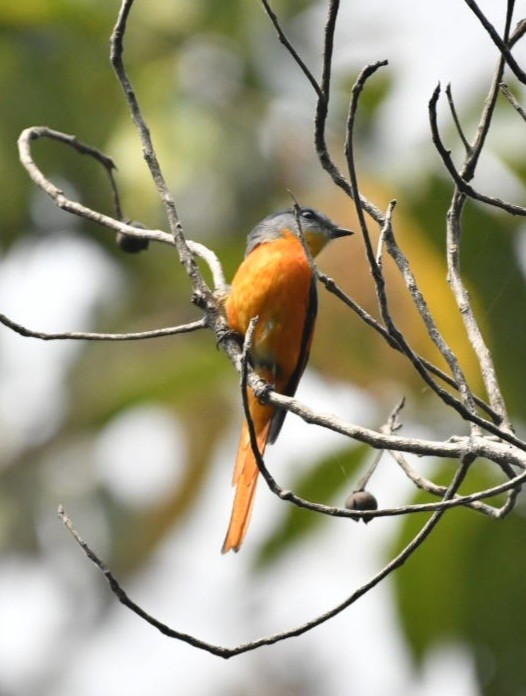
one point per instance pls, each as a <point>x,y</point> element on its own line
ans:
<point>340,232</point>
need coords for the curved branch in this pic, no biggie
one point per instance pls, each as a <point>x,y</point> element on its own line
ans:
<point>64,203</point>
<point>58,196</point>
<point>226,653</point>
<point>213,263</point>
<point>320,120</point>
<point>357,89</point>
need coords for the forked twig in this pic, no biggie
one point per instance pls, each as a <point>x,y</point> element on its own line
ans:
<point>497,40</point>
<point>462,184</point>
<point>428,486</point>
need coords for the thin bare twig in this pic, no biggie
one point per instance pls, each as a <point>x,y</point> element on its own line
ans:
<point>467,407</point>
<point>90,336</point>
<point>322,105</point>
<point>213,263</point>
<point>454,232</point>
<point>297,217</point>
<point>470,164</point>
<point>456,120</point>
<point>357,88</point>
<point>392,425</point>
<point>518,33</point>
<point>430,487</point>
<point>402,263</point>
<point>201,291</point>
<point>330,26</point>
<point>374,264</point>
<point>512,99</point>
<point>290,48</point>
<point>320,119</point>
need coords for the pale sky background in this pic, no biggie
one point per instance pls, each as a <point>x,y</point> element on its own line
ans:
<point>46,607</point>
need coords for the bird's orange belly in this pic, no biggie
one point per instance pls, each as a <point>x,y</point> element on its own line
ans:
<point>273,283</point>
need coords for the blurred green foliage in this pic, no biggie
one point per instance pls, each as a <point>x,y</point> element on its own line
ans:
<point>465,585</point>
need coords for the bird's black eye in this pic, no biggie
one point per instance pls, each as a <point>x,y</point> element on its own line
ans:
<point>308,214</point>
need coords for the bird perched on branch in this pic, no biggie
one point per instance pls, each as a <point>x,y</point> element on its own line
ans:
<point>275,283</point>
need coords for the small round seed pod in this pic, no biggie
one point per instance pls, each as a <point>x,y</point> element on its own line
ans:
<point>361,500</point>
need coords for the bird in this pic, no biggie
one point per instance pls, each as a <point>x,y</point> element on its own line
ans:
<point>275,283</point>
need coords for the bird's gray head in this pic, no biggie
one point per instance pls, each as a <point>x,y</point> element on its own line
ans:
<point>317,229</point>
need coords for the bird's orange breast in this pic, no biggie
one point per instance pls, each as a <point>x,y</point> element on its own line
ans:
<point>273,283</point>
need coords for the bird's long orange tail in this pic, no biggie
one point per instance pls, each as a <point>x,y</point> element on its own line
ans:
<point>246,474</point>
